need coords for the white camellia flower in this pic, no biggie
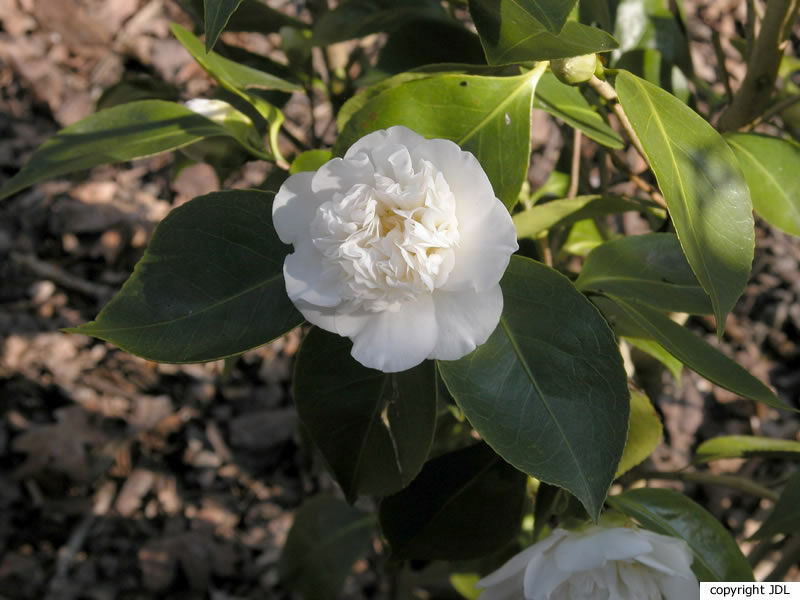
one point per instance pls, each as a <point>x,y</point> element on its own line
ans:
<point>597,563</point>
<point>400,246</point>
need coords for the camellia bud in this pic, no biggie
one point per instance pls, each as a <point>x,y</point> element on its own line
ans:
<point>574,70</point>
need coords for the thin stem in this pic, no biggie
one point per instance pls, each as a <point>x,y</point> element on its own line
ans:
<point>723,69</point>
<point>790,557</point>
<point>606,91</point>
<point>729,481</point>
<point>575,169</point>
<point>774,110</point>
<point>643,185</point>
<point>755,93</point>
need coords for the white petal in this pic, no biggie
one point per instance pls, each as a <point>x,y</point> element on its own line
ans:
<point>346,324</point>
<point>394,135</point>
<point>396,341</point>
<point>307,280</point>
<point>670,555</point>
<point>339,175</point>
<point>294,207</point>
<point>678,588</point>
<point>514,567</point>
<point>466,319</point>
<point>592,550</point>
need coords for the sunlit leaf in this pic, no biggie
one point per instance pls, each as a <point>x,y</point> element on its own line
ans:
<point>746,446</point>
<point>209,285</point>
<point>705,190</point>
<point>124,132</point>
<point>488,116</point>
<point>644,433</point>
<point>771,166</point>
<point>568,104</point>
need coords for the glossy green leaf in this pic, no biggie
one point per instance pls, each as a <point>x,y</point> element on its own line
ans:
<point>231,75</point>
<point>716,555</point>
<point>327,537</point>
<point>648,24</point>
<point>657,351</point>
<point>651,65</point>
<point>552,14</point>
<point>705,190</point>
<point>584,236</point>
<point>548,390</point>
<point>209,285</point>
<point>358,18</point>
<point>785,516</point>
<point>216,14</point>
<point>472,491</point>
<point>310,160</point>
<point>746,446</point>
<point>644,433</point>
<point>510,33</point>
<point>771,166</point>
<point>696,353</point>
<point>374,429</point>
<point>568,104</point>
<point>650,268</point>
<point>124,132</point>
<point>566,211</point>
<point>252,15</point>
<point>488,116</point>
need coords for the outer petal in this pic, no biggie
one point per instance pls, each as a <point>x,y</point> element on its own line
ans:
<point>678,588</point>
<point>396,341</point>
<point>392,136</point>
<point>466,319</point>
<point>488,235</point>
<point>307,280</point>
<point>293,208</point>
<point>592,550</point>
<point>338,175</point>
<point>334,320</point>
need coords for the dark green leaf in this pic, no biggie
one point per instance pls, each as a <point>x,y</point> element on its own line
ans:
<point>137,87</point>
<point>568,104</point>
<point>488,116</point>
<point>650,268</point>
<point>695,353</point>
<point>511,33</point>
<point>464,504</point>
<point>209,285</point>
<point>217,13</point>
<point>548,390</point>
<point>785,517</point>
<point>124,132</point>
<point>746,446</point>
<point>326,539</point>
<point>374,429</point>
<point>704,188</point>
<point>550,13</point>
<point>644,433</point>
<point>358,18</point>
<point>425,42</point>
<point>716,555</point>
<point>252,15</point>
<point>771,166</point>
<point>566,211</point>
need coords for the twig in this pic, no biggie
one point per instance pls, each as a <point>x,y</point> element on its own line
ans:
<point>575,169</point>
<point>753,96</point>
<point>774,110</point>
<point>643,185</point>
<point>730,481</point>
<point>61,277</point>
<point>609,94</point>
<point>790,557</point>
<point>723,69</point>
<point>67,553</point>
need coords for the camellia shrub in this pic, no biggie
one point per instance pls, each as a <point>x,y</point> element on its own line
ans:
<point>461,373</point>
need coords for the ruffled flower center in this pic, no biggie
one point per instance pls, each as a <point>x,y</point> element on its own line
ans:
<point>390,238</point>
